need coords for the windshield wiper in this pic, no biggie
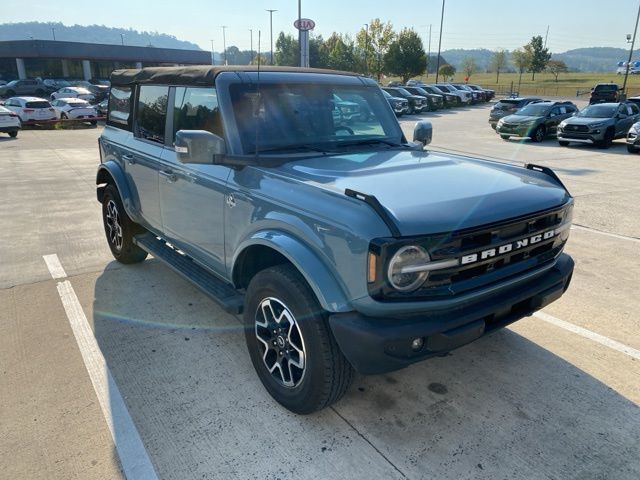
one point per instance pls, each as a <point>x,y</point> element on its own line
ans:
<point>301,147</point>
<point>372,141</point>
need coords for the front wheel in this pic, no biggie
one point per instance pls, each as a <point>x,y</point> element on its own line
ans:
<point>120,229</point>
<point>562,143</point>
<point>504,137</point>
<point>539,134</point>
<point>631,149</point>
<point>290,344</point>
<point>13,134</point>
<point>607,141</point>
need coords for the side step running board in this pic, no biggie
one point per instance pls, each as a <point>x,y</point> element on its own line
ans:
<point>220,292</point>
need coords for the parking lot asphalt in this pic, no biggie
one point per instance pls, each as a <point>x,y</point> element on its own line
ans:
<point>554,396</point>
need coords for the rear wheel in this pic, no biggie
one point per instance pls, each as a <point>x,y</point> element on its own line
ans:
<point>631,149</point>
<point>562,143</point>
<point>120,229</point>
<point>290,344</point>
<point>539,134</point>
<point>13,134</point>
<point>504,137</point>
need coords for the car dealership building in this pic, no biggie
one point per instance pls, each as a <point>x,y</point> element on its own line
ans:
<point>53,59</point>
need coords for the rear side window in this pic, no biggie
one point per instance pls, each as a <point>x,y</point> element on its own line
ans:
<point>196,109</point>
<point>634,108</point>
<point>151,112</point>
<point>120,107</point>
<point>40,104</point>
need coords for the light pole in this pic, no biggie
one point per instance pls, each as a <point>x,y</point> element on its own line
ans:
<point>251,50</point>
<point>366,48</point>
<point>300,32</point>
<point>224,43</point>
<point>429,54</point>
<point>213,58</point>
<point>53,32</point>
<point>626,71</point>
<point>271,32</point>
<point>440,42</point>
<point>122,38</point>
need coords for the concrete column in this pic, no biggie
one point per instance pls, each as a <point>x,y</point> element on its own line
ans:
<point>22,72</point>
<point>138,65</point>
<point>65,68</point>
<point>86,69</point>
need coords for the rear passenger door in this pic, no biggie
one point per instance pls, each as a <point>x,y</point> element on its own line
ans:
<point>144,150</point>
<point>192,196</point>
<point>555,116</point>
<point>625,118</point>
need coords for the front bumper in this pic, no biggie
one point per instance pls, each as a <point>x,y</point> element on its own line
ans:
<point>583,137</point>
<point>377,345</point>
<point>9,128</point>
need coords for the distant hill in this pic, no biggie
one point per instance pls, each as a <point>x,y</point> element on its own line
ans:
<point>91,34</point>
<point>592,59</point>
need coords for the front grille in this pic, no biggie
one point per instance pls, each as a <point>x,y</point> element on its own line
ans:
<point>484,271</point>
<point>576,128</point>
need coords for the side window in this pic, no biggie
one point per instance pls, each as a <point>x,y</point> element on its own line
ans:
<point>151,112</point>
<point>634,109</point>
<point>563,110</point>
<point>554,112</point>
<point>120,107</point>
<point>196,108</point>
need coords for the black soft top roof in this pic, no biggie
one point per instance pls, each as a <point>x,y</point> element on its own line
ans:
<point>199,74</point>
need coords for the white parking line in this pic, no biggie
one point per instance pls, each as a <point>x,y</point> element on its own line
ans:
<point>606,234</point>
<point>583,332</point>
<point>133,456</point>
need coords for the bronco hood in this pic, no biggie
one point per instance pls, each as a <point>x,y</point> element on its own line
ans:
<point>431,192</point>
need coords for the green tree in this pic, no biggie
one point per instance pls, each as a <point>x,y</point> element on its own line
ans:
<point>469,66</point>
<point>522,60</point>
<point>287,52</point>
<point>498,62</point>
<point>317,53</point>
<point>406,56</point>
<point>374,44</point>
<point>538,54</point>
<point>447,71</point>
<point>340,53</point>
<point>556,67</point>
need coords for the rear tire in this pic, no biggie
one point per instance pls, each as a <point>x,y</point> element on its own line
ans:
<point>290,343</point>
<point>631,149</point>
<point>120,229</point>
<point>13,134</point>
<point>504,137</point>
<point>562,143</point>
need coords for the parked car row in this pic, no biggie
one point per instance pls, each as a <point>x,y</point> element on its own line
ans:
<point>597,124</point>
<point>41,88</point>
<point>419,97</point>
<point>34,110</point>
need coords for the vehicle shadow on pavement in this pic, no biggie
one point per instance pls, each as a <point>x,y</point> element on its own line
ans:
<point>502,407</point>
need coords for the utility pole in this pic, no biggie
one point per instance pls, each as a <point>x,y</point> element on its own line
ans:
<point>251,50</point>
<point>440,42</point>
<point>53,31</point>
<point>429,54</point>
<point>213,58</point>
<point>224,43</point>
<point>300,33</point>
<point>546,37</point>
<point>626,72</point>
<point>122,38</point>
<point>271,32</point>
<point>366,48</point>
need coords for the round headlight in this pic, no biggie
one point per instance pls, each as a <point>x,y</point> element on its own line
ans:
<point>400,276</point>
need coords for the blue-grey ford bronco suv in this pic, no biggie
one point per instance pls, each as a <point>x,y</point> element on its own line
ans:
<point>344,246</point>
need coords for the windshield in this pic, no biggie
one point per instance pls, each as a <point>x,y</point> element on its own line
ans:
<point>443,88</point>
<point>534,110</point>
<point>309,116</point>
<point>598,111</point>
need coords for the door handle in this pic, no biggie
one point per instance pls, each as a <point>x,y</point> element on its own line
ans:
<point>168,175</point>
<point>129,158</point>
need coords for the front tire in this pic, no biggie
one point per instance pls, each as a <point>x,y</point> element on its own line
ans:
<point>504,137</point>
<point>631,149</point>
<point>608,139</point>
<point>13,134</point>
<point>539,134</point>
<point>562,143</point>
<point>120,229</point>
<point>290,344</point>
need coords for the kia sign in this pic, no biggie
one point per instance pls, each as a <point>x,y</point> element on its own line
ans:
<point>304,24</point>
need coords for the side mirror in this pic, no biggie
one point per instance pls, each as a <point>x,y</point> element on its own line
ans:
<point>198,146</point>
<point>423,132</point>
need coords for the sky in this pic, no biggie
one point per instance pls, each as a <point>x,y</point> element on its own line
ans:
<point>468,24</point>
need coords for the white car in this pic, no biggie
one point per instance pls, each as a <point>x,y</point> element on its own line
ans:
<point>464,96</point>
<point>75,108</point>
<point>31,109</point>
<point>74,92</point>
<point>9,122</point>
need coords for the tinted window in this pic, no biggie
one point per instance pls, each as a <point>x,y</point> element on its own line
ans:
<point>39,104</point>
<point>196,109</point>
<point>634,109</point>
<point>598,111</point>
<point>119,106</point>
<point>152,112</point>
<point>606,88</point>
